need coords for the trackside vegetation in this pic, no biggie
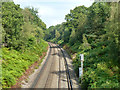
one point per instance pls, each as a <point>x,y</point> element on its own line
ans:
<point>93,31</point>
<point>22,38</point>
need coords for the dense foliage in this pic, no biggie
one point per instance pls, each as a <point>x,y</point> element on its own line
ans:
<point>22,38</point>
<point>15,63</point>
<point>95,32</point>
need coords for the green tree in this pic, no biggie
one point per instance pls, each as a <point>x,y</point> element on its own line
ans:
<point>57,34</point>
<point>12,21</point>
<point>72,37</point>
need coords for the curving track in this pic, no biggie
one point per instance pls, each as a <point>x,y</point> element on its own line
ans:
<point>54,73</point>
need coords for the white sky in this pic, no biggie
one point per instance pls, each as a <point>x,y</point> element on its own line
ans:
<point>53,12</point>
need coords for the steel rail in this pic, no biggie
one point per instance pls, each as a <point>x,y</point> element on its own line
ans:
<point>67,71</point>
<point>37,77</point>
<point>59,69</point>
<point>50,69</point>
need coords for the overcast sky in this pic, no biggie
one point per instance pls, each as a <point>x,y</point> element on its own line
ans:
<point>53,12</point>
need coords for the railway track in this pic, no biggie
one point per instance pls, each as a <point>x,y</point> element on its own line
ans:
<point>54,72</point>
<point>67,71</point>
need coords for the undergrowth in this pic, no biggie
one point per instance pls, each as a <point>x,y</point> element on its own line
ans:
<point>99,70</point>
<point>15,63</point>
